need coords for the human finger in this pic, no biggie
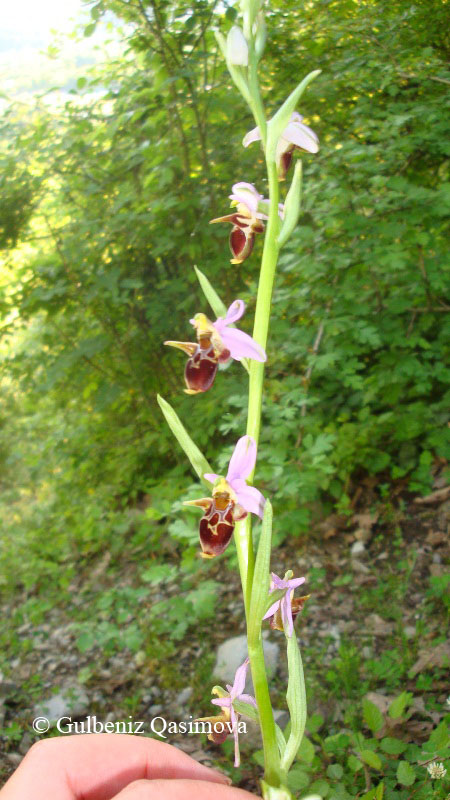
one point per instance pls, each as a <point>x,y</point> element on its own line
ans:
<point>180,789</point>
<point>98,766</point>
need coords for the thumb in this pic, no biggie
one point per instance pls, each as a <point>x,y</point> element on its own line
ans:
<point>180,789</point>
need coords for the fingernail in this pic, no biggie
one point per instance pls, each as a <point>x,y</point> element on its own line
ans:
<point>224,778</point>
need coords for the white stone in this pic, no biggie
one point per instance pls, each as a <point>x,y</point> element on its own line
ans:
<point>357,549</point>
<point>71,701</point>
<point>233,652</point>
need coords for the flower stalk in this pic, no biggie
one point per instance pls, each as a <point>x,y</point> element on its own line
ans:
<point>234,498</point>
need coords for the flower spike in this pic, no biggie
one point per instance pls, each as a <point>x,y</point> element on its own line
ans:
<point>296,136</point>
<point>232,499</point>
<point>217,344</point>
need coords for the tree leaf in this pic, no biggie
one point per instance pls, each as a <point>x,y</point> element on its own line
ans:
<point>371,758</point>
<point>405,774</point>
<point>393,746</point>
<point>398,705</point>
<point>372,716</point>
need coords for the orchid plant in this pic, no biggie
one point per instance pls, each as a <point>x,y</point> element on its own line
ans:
<point>234,501</point>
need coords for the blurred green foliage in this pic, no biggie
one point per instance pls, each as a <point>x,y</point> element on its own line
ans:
<point>104,210</point>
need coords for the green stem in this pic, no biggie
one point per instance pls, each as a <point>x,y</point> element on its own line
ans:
<point>263,304</point>
<point>246,558</point>
<point>273,773</point>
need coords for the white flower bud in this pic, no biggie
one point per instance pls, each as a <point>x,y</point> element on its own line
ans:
<point>237,47</point>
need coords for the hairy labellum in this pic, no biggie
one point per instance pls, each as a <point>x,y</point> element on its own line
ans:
<point>217,526</point>
<point>220,731</point>
<point>241,244</point>
<point>285,163</point>
<point>201,369</point>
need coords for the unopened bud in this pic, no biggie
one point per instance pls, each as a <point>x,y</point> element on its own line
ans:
<point>237,48</point>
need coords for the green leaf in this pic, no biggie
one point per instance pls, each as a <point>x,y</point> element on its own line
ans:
<point>315,721</point>
<point>354,763</point>
<point>398,705</point>
<point>372,716</point>
<point>405,774</point>
<point>85,641</point>
<point>320,787</point>
<point>211,295</point>
<point>306,751</point>
<point>231,14</point>
<point>252,713</point>
<point>277,124</point>
<point>438,739</point>
<point>376,793</point>
<point>296,700</point>
<point>273,597</point>
<point>393,746</point>
<point>158,573</point>
<point>261,579</point>
<point>335,771</point>
<point>297,779</point>
<point>89,29</point>
<point>197,459</point>
<point>371,758</point>
<point>292,205</point>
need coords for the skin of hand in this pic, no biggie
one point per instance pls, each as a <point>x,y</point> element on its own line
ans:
<point>102,766</point>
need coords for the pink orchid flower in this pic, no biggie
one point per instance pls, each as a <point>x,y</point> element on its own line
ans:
<point>232,499</point>
<point>296,136</point>
<point>285,610</point>
<point>217,344</point>
<point>236,692</point>
<point>246,221</point>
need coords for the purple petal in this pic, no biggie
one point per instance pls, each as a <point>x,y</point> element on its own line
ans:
<point>295,117</point>
<point>247,698</point>
<point>234,723</point>
<point>299,134</point>
<point>272,610</point>
<point>252,136</point>
<point>278,583</point>
<point>286,613</point>
<point>223,702</point>
<point>295,582</point>
<point>247,194</point>
<point>211,477</point>
<point>243,459</point>
<point>239,679</point>
<point>249,498</point>
<point>235,312</point>
<point>241,345</point>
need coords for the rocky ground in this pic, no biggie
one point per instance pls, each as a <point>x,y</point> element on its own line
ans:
<point>369,580</point>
